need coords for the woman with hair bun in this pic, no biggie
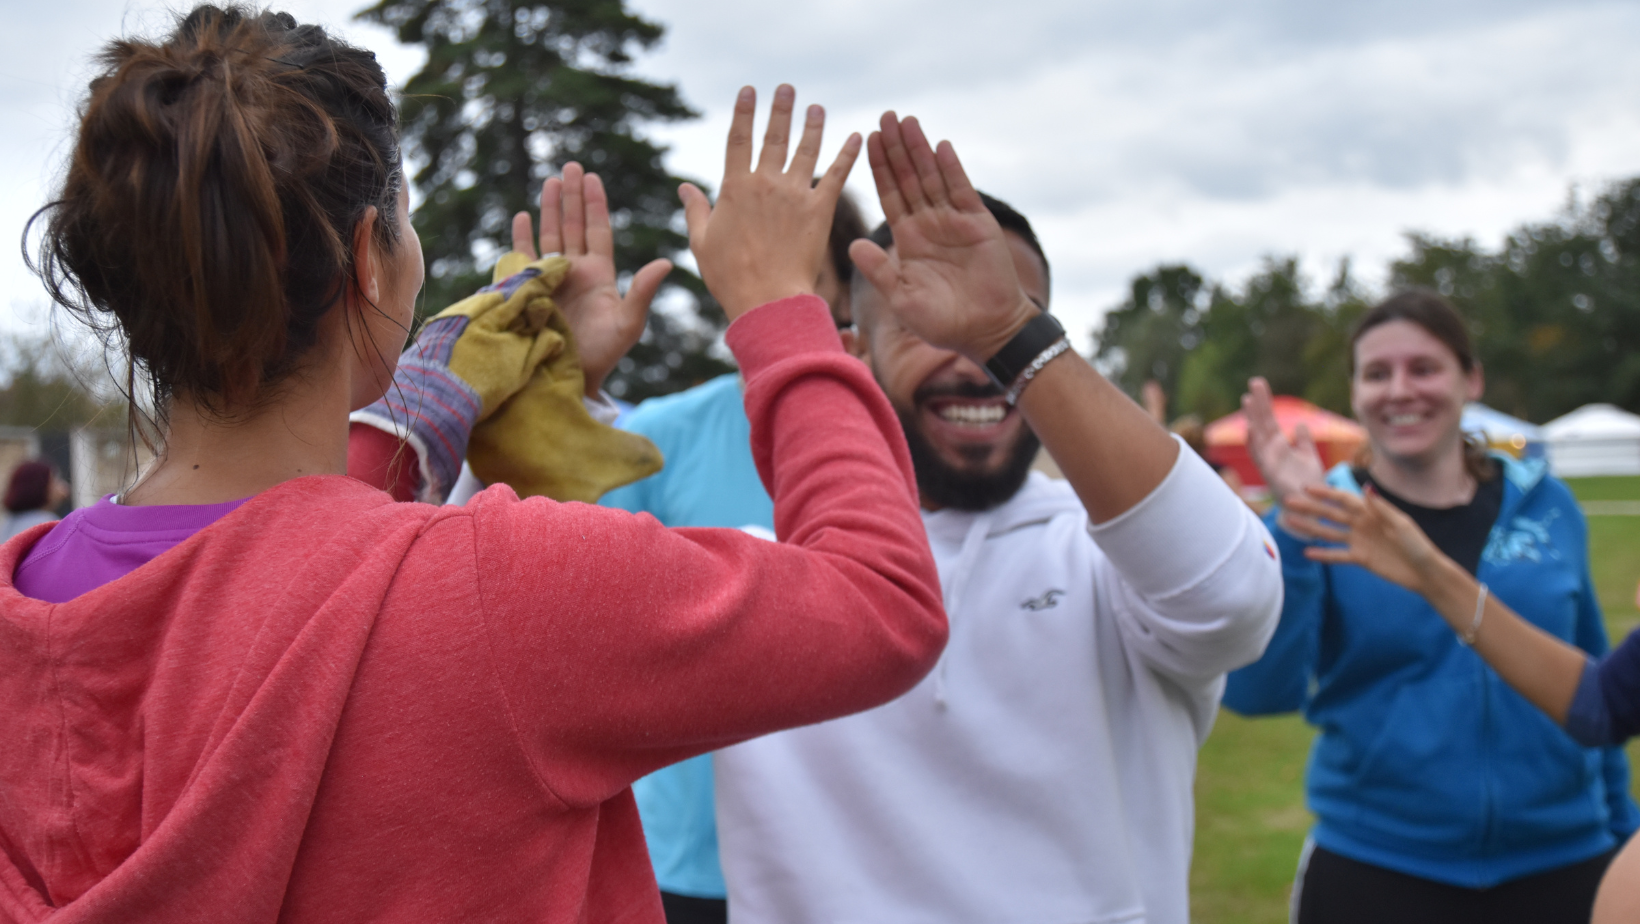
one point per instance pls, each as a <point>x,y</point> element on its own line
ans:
<point>1440,793</point>
<point>252,688</point>
<point>32,491</point>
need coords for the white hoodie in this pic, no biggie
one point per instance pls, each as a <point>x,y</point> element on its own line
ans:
<point>1042,773</point>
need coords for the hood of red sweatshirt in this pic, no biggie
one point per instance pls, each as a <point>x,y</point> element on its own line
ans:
<point>167,731</point>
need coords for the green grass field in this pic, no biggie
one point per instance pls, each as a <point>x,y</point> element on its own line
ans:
<point>1250,815</point>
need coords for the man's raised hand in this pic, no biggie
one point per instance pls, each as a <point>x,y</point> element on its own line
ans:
<point>575,223</point>
<point>766,237</point>
<point>951,278</point>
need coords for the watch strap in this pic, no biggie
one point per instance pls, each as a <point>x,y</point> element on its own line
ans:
<point>1038,334</point>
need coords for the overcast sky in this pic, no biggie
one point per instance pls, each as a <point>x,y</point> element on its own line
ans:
<point>1199,131</point>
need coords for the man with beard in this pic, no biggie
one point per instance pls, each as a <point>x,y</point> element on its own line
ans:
<point>1043,770</point>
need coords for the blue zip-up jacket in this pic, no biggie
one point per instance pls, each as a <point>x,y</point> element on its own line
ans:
<point>1427,763</point>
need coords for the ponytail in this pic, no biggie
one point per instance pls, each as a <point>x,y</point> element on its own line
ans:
<point>205,220</point>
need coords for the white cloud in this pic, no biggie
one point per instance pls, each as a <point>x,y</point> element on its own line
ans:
<point>45,63</point>
<point>1202,132</point>
<point>1177,130</point>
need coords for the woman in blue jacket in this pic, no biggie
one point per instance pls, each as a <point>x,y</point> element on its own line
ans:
<point>1440,793</point>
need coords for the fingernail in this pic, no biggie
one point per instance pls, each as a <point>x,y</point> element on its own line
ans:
<point>747,94</point>
<point>784,92</point>
<point>816,114</point>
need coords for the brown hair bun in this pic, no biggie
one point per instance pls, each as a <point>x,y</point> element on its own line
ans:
<point>205,220</point>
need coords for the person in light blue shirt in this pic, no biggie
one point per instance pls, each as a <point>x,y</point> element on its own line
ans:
<point>709,480</point>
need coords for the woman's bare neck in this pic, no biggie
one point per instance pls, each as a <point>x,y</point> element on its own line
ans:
<point>209,458</point>
<point>1439,482</point>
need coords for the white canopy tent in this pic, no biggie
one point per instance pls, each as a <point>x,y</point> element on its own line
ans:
<point>1500,431</point>
<point>1596,439</point>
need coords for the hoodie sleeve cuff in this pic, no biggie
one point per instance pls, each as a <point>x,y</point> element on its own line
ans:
<point>769,333</point>
<point>1588,721</point>
<point>1181,532</point>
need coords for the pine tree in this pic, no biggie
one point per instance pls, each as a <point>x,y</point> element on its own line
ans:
<point>510,93</point>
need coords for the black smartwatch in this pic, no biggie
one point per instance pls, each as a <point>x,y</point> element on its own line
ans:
<point>1035,338</point>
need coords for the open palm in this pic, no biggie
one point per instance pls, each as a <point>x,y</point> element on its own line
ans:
<point>575,223</point>
<point>1288,467</point>
<point>951,277</point>
<point>1370,532</point>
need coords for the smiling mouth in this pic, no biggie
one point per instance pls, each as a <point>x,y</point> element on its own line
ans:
<point>1404,420</point>
<point>971,415</point>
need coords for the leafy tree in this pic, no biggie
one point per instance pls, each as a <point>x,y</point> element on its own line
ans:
<point>1214,374</point>
<point>45,387</point>
<point>1262,330</point>
<point>1327,354</point>
<point>1148,335</point>
<point>1203,341</point>
<point>1555,311</point>
<point>1614,290</point>
<point>511,92</point>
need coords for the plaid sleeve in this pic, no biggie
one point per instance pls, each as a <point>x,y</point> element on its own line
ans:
<point>429,407</point>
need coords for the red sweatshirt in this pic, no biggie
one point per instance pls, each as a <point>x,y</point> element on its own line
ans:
<point>327,706</point>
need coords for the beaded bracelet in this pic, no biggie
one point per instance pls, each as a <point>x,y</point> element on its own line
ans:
<point>1026,346</point>
<point>1029,372</point>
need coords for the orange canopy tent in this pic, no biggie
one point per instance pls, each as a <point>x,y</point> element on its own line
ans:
<point>1336,438</point>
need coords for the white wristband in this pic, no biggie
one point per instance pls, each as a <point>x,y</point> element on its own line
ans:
<point>1468,638</point>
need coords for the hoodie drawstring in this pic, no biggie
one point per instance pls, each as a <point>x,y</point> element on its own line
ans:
<point>954,583</point>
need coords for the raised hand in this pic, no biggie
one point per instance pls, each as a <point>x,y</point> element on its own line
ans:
<point>766,237</point>
<point>1370,531</point>
<point>1288,468</point>
<point>575,223</point>
<point>1154,400</point>
<point>951,278</point>
<point>1375,535</point>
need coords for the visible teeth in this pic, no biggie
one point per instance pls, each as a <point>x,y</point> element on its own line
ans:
<point>1404,420</point>
<point>973,414</point>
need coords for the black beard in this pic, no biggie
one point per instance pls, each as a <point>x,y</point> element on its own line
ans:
<point>945,485</point>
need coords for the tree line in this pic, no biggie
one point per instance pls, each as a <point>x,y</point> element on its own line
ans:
<point>47,385</point>
<point>1554,311</point>
<point>511,91</point>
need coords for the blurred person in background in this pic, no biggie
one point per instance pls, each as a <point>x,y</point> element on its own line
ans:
<point>1597,700</point>
<point>1440,794</point>
<point>32,495</point>
<point>710,479</point>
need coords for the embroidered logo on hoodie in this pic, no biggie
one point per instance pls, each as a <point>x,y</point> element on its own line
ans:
<point>1523,539</point>
<point>1047,601</point>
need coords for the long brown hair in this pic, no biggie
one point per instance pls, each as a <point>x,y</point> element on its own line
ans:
<point>205,220</point>
<point>1440,320</point>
